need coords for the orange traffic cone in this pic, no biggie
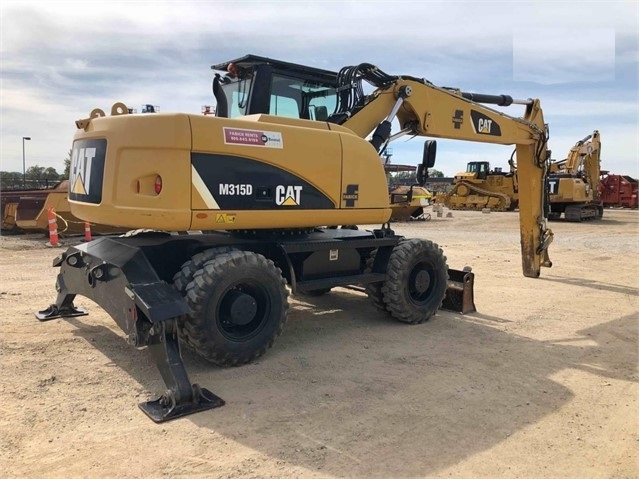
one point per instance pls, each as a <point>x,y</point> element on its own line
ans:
<point>87,231</point>
<point>53,227</point>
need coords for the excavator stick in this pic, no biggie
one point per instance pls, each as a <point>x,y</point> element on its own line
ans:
<point>460,296</point>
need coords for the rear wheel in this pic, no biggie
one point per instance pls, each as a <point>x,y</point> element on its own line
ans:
<point>183,277</point>
<point>238,305</point>
<point>417,278</point>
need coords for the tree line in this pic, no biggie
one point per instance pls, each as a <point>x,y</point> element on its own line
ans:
<point>410,177</point>
<point>35,177</point>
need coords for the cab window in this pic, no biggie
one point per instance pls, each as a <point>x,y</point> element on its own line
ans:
<point>297,98</point>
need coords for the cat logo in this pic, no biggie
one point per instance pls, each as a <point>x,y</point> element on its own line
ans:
<point>484,125</point>
<point>288,195</point>
<point>86,170</point>
<point>81,170</point>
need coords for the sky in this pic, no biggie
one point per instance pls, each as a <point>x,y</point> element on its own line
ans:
<point>60,60</point>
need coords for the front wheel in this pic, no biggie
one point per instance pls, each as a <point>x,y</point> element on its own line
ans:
<point>417,279</point>
<point>238,303</point>
<point>374,290</point>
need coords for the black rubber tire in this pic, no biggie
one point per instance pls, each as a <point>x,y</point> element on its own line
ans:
<point>417,279</point>
<point>208,327</point>
<point>182,278</point>
<point>374,290</point>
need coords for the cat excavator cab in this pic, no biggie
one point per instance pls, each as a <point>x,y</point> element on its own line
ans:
<point>262,188</point>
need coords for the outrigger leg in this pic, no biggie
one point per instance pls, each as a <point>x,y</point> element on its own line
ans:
<point>181,398</point>
<point>145,307</point>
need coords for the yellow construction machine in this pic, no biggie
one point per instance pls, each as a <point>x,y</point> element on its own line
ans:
<point>28,210</point>
<point>263,187</point>
<point>480,187</point>
<point>573,183</point>
<point>407,201</point>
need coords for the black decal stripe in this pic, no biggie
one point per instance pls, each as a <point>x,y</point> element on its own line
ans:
<point>216,170</point>
<point>476,116</point>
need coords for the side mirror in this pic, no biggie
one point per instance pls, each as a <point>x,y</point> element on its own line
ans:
<point>428,161</point>
<point>430,151</point>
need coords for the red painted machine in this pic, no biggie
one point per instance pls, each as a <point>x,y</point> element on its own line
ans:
<point>619,191</point>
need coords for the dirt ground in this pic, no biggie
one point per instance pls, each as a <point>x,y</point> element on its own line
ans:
<point>541,382</point>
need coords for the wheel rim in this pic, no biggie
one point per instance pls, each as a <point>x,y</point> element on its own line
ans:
<point>421,282</point>
<point>243,310</point>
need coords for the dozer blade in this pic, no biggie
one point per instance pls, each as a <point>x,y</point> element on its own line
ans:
<point>459,294</point>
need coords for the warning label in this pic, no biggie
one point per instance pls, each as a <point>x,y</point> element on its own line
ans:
<point>225,218</point>
<point>240,136</point>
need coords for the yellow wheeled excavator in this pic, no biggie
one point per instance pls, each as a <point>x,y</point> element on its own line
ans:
<point>573,183</point>
<point>292,154</point>
<point>479,187</point>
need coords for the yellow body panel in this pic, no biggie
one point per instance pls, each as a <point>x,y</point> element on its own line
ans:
<point>573,190</point>
<point>162,146</point>
<point>140,147</point>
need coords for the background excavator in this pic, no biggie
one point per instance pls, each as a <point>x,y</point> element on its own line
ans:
<point>573,183</point>
<point>292,153</point>
<point>480,187</point>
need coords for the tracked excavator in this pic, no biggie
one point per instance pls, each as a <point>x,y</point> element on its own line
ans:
<point>479,187</point>
<point>573,183</point>
<point>253,201</point>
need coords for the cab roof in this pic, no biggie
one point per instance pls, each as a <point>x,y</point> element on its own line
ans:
<point>294,69</point>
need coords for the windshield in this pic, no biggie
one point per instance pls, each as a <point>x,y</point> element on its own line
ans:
<point>289,97</point>
<point>297,98</point>
<point>237,94</point>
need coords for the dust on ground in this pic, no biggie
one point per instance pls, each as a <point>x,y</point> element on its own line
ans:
<point>541,382</point>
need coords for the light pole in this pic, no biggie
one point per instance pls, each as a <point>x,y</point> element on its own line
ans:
<point>24,169</point>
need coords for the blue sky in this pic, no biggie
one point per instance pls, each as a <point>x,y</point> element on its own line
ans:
<point>60,60</point>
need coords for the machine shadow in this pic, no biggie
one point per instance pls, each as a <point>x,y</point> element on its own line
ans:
<point>359,395</point>
<point>588,283</point>
<point>604,220</point>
